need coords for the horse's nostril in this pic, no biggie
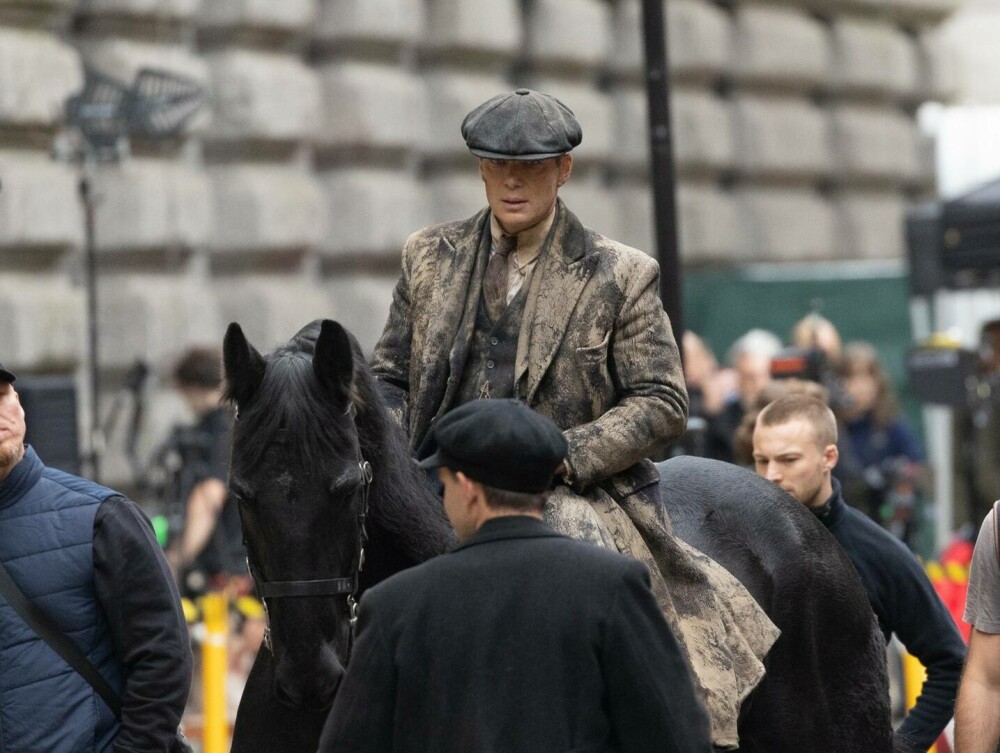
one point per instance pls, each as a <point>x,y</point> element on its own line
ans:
<point>309,685</point>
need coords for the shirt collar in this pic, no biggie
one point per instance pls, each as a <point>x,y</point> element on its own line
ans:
<point>22,477</point>
<point>529,241</point>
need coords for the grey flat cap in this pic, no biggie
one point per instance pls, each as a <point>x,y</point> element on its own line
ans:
<point>521,125</point>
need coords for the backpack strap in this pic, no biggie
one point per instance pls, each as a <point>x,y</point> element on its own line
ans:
<point>58,641</point>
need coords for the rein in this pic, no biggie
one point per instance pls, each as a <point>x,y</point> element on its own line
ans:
<point>284,589</point>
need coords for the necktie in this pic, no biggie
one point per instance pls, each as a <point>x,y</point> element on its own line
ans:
<point>495,281</point>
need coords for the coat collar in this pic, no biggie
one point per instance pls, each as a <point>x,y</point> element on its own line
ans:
<point>834,510</point>
<point>509,527</point>
<point>23,476</point>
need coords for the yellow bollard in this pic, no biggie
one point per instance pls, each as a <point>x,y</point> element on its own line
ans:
<point>215,608</point>
<point>914,675</point>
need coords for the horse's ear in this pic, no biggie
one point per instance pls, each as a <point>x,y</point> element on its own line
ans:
<point>244,365</point>
<point>333,360</point>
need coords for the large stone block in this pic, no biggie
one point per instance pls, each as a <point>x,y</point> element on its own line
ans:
<point>369,22</point>
<point>287,15</point>
<point>785,224</point>
<point>596,112</point>
<point>594,203</point>
<point>568,34</point>
<point>871,224</point>
<point>41,318</point>
<point>703,130</point>
<point>152,204</point>
<point>780,47</point>
<point>781,137</point>
<point>700,38</point>
<point>912,11</point>
<point>939,72</point>
<point>873,143</point>
<point>371,106</point>
<point>263,96</point>
<point>161,9</point>
<point>371,211</point>
<point>709,224</point>
<point>38,73</point>
<point>449,96</point>
<point>271,309</point>
<point>635,216</point>
<point>454,196</point>
<point>360,302</point>
<point>475,28</point>
<point>154,318</point>
<point>39,203</point>
<point>265,208</point>
<point>874,58</point>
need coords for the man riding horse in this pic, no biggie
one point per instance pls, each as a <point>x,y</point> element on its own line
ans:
<point>521,300</point>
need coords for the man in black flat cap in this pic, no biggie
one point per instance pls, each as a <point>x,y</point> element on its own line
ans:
<point>87,557</point>
<point>520,640</point>
<point>522,301</point>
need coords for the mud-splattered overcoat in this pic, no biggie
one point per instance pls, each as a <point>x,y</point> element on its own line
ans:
<point>595,352</point>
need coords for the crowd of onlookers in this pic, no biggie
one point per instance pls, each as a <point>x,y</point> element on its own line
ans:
<point>881,460</point>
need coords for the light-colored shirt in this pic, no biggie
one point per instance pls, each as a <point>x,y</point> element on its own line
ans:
<point>982,605</point>
<point>521,263</point>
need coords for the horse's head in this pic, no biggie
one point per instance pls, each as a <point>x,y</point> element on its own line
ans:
<point>299,479</point>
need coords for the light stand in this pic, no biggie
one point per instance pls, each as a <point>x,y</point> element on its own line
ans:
<point>106,114</point>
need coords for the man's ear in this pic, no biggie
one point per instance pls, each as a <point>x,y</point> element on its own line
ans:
<point>469,487</point>
<point>482,169</point>
<point>831,455</point>
<point>565,168</point>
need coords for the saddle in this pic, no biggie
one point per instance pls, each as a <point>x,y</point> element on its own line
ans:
<point>723,631</point>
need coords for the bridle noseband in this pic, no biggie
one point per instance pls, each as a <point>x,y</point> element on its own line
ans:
<point>283,589</point>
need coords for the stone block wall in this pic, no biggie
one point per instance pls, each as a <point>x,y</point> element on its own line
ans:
<point>331,132</point>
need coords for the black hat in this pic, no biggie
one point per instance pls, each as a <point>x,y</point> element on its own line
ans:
<point>521,125</point>
<point>6,376</point>
<point>499,443</point>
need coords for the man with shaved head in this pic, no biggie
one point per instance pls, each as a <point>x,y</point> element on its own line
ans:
<point>795,446</point>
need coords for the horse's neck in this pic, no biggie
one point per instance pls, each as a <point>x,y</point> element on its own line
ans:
<point>407,517</point>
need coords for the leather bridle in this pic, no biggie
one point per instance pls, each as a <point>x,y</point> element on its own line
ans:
<point>285,589</point>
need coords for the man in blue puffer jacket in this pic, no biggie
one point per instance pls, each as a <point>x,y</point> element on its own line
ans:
<point>88,557</point>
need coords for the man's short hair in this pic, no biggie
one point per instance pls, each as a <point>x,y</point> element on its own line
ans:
<point>199,368</point>
<point>809,408</point>
<point>503,499</point>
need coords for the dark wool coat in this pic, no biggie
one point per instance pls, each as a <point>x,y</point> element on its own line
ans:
<point>595,352</point>
<point>518,641</point>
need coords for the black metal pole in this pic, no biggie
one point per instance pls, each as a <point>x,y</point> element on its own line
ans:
<point>95,443</point>
<point>662,167</point>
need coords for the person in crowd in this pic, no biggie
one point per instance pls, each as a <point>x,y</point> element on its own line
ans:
<point>977,712</point>
<point>814,332</point>
<point>751,357</point>
<point>519,639</point>
<point>882,440</point>
<point>210,550</point>
<point>795,446</point>
<point>87,557</point>
<point>707,387</point>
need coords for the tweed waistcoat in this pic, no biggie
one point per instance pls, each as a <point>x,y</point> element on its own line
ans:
<point>489,370</point>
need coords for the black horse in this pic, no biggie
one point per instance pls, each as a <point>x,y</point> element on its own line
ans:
<point>309,418</point>
<point>826,687</point>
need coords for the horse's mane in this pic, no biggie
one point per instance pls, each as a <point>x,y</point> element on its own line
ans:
<point>291,399</point>
<point>407,507</point>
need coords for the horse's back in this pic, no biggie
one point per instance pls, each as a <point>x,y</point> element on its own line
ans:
<point>826,686</point>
